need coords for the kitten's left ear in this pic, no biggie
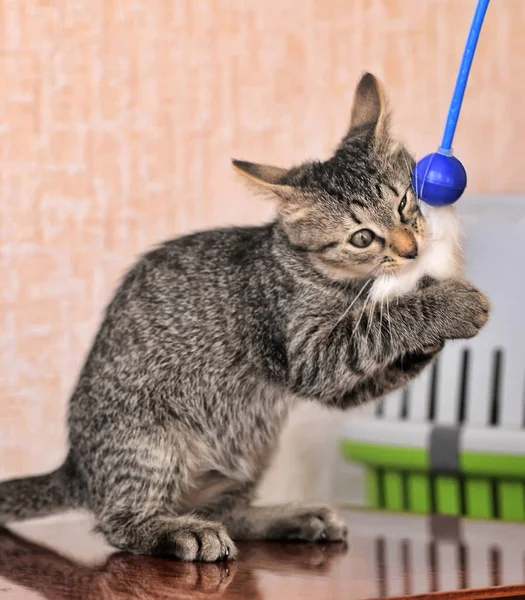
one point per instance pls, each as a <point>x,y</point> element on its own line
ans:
<point>370,106</point>
<point>266,177</point>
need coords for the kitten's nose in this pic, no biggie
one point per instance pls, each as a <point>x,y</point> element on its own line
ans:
<point>412,253</point>
<point>404,243</point>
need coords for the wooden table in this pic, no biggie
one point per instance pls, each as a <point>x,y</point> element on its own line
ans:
<point>387,556</point>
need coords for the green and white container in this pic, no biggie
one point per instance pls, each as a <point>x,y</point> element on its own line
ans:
<point>453,442</point>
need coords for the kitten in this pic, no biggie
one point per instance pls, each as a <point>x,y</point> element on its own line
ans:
<point>212,338</point>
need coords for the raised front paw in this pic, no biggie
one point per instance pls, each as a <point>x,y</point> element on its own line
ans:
<point>205,541</point>
<point>315,523</point>
<point>463,309</point>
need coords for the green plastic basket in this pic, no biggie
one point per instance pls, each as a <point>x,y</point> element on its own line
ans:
<point>453,442</point>
<point>436,467</point>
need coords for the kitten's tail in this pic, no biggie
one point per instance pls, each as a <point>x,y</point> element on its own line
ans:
<point>29,497</point>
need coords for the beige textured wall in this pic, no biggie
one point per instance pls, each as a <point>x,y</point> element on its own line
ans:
<point>118,119</point>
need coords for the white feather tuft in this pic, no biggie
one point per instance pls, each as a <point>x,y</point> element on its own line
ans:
<point>440,257</point>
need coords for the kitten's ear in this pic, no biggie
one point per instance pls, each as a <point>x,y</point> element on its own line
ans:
<point>265,177</point>
<point>370,106</point>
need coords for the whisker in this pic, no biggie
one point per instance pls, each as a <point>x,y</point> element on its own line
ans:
<point>367,281</point>
<point>380,318</point>
<point>409,172</point>
<point>389,323</point>
<point>371,320</point>
<point>407,166</point>
<point>347,310</point>
<point>362,313</point>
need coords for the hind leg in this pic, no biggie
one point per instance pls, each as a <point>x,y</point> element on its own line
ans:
<point>136,499</point>
<point>184,537</point>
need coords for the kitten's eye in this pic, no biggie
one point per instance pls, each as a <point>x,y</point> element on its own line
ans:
<point>402,204</point>
<point>362,238</point>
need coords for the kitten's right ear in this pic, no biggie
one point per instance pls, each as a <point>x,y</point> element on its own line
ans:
<point>265,178</point>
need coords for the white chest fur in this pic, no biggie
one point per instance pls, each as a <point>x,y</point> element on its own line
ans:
<point>439,258</point>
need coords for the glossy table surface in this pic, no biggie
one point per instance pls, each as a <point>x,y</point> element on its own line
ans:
<point>387,556</point>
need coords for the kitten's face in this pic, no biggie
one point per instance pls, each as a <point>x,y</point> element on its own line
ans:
<point>356,214</point>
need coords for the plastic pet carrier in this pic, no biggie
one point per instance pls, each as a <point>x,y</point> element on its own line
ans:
<point>453,441</point>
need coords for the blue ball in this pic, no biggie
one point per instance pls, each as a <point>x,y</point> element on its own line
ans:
<point>439,180</point>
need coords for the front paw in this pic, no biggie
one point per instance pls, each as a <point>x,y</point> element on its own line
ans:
<point>202,541</point>
<point>463,309</point>
<point>316,523</point>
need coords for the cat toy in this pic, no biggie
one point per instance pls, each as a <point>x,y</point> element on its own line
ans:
<point>439,179</point>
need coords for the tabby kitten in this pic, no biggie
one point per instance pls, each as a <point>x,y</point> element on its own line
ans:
<point>213,337</point>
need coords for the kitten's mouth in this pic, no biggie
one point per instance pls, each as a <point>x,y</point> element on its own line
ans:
<point>390,269</point>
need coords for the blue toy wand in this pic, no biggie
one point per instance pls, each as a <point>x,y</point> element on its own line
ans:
<point>439,179</point>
